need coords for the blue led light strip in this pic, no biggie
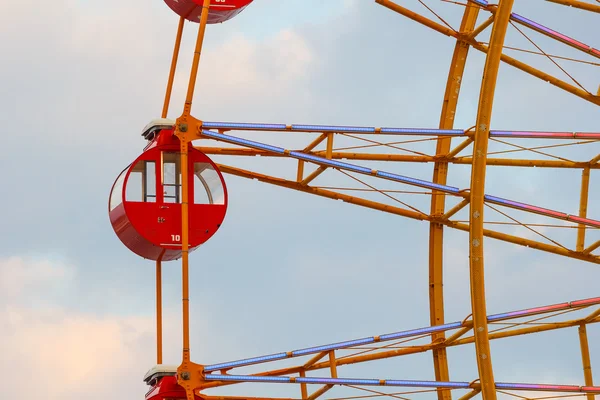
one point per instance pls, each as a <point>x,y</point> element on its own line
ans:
<point>243,126</point>
<point>332,163</point>
<point>533,387</point>
<point>243,142</point>
<point>336,381</point>
<point>399,335</point>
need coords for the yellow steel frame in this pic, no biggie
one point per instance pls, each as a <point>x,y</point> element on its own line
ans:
<point>191,376</point>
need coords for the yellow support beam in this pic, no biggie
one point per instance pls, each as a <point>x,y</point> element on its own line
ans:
<point>165,110</point>
<point>438,200</point>
<point>578,4</point>
<point>585,358</point>
<point>476,230</point>
<point>583,204</point>
<point>159,340</point>
<point>188,374</point>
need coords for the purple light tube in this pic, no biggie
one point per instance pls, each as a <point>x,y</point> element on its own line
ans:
<point>247,378</point>
<point>332,163</point>
<point>397,335</point>
<point>541,211</point>
<point>482,3</point>
<point>337,381</point>
<point>243,142</point>
<point>531,387</point>
<point>545,309</point>
<point>552,33</point>
<point>545,30</point>
<point>586,302</point>
<point>547,388</point>
<point>334,346</point>
<point>421,331</point>
<point>243,126</point>
<point>398,178</point>
<point>545,135</point>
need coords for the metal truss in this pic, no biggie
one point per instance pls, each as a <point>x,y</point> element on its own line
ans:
<point>317,169</point>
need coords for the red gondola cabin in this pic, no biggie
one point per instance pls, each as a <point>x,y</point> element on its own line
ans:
<point>145,200</point>
<point>219,11</point>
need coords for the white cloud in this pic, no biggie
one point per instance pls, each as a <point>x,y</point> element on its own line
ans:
<point>66,353</point>
<point>19,275</point>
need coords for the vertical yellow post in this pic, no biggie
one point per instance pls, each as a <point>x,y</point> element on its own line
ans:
<point>585,358</point>
<point>173,68</point>
<point>583,203</point>
<point>480,148</point>
<point>159,358</point>
<point>185,251</point>
<point>184,137</point>
<point>438,200</point>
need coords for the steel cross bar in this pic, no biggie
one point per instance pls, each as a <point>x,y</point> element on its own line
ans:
<point>534,387</point>
<point>362,130</point>
<point>321,350</point>
<point>398,178</point>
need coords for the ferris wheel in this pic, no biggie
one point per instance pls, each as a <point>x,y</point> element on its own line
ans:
<point>173,198</point>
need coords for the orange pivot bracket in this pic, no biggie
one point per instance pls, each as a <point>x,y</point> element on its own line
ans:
<point>190,376</point>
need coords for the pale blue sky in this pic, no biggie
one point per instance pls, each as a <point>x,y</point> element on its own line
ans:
<point>287,270</point>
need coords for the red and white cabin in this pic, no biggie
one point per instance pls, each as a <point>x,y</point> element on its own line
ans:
<point>145,200</point>
<point>219,11</point>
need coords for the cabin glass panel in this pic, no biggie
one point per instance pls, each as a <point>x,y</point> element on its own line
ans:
<point>116,196</point>
<point>171,177</point>
<point>208,188</point>
<point>141,184</point>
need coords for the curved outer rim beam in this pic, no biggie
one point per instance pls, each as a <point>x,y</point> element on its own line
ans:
<point>477,204</point>
<point>438,203</point>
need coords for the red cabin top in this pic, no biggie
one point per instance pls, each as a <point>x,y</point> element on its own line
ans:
<point>219,11</point>
<point>145,200</point>
<point>162,380</point>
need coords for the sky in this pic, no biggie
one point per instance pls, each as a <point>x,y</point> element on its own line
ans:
<point>286,270</point>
